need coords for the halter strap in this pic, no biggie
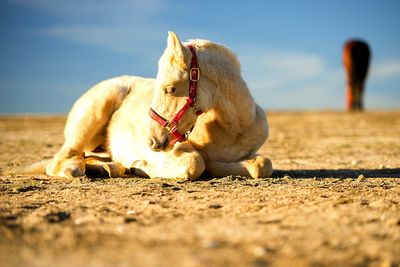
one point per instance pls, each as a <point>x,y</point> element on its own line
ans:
<point>171,126</point>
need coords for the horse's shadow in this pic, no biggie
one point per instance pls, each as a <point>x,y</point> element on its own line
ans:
<point>339,173</point>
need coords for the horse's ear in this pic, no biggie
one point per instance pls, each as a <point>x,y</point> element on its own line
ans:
<point>173,40</point>
<point>176,48</point>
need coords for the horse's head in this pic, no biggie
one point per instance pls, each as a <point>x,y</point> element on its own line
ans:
<point>173,108</point>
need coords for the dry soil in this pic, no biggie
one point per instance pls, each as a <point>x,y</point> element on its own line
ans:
<point>334,200</point>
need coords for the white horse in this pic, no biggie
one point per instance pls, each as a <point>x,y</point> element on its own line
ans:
<point>194,77</point>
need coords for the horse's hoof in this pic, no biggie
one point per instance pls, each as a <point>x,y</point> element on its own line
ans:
<point>73,171</point>
<point>260,167</point>
<point>138,168</point>
<point>114,169</point>
<point>67,167</point>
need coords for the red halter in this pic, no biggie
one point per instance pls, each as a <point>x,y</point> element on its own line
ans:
<point>171,126</point>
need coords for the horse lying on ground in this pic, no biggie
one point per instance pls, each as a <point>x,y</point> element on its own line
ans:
<point>144,124</point>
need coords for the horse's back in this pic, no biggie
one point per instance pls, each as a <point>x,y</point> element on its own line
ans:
<point>94,109</point>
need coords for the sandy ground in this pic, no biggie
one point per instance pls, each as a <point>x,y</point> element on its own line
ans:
<point>334,200</point>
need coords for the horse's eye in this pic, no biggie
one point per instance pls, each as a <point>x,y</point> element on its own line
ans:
<point>169,90</point>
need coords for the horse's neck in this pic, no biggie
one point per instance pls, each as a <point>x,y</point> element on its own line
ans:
<point>229,103</point>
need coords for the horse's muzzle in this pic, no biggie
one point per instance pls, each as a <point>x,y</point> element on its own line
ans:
<point>158,145</point>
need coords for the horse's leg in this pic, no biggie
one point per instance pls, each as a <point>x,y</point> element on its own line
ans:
<point>86,121</point>
<point>361,97</point>
<point>350,98</point>
<point>255,166</point>
<point>69,160</point>
<point>182,162</point>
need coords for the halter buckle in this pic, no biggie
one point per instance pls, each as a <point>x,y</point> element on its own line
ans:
<point>170,126</point>
<point>194,74</point>
<point>185,137</point>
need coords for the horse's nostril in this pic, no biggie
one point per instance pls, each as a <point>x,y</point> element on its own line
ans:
<point>157,146</point>
<point>153,144</point>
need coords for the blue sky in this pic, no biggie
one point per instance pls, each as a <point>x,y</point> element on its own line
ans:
<point>51,51</point>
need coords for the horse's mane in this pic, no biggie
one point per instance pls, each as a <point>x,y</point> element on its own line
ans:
<point>225,71</point>
<point>216,50</point>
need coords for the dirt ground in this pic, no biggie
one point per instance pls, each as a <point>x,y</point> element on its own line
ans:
<point>334,200</point>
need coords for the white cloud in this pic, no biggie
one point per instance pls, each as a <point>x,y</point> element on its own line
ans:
<point>112,37</point>
<point>282,79</point>
<point>124,26</point>
<point>269,68</point>
<point>385,69</point>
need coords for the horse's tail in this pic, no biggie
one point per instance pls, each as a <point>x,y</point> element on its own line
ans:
<point>35,168</point>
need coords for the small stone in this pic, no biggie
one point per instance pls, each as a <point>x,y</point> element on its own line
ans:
<point>212,244</point>
<point>215,206</point>
<point>86,218</point>
<point>57,217</point>
<point>258,251</point>
<point>360,178</point>
<point>131,212</point>
<point>130,219</point>
<point>119,229</point>
<point>354,162</point>
<point>287,176</point>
